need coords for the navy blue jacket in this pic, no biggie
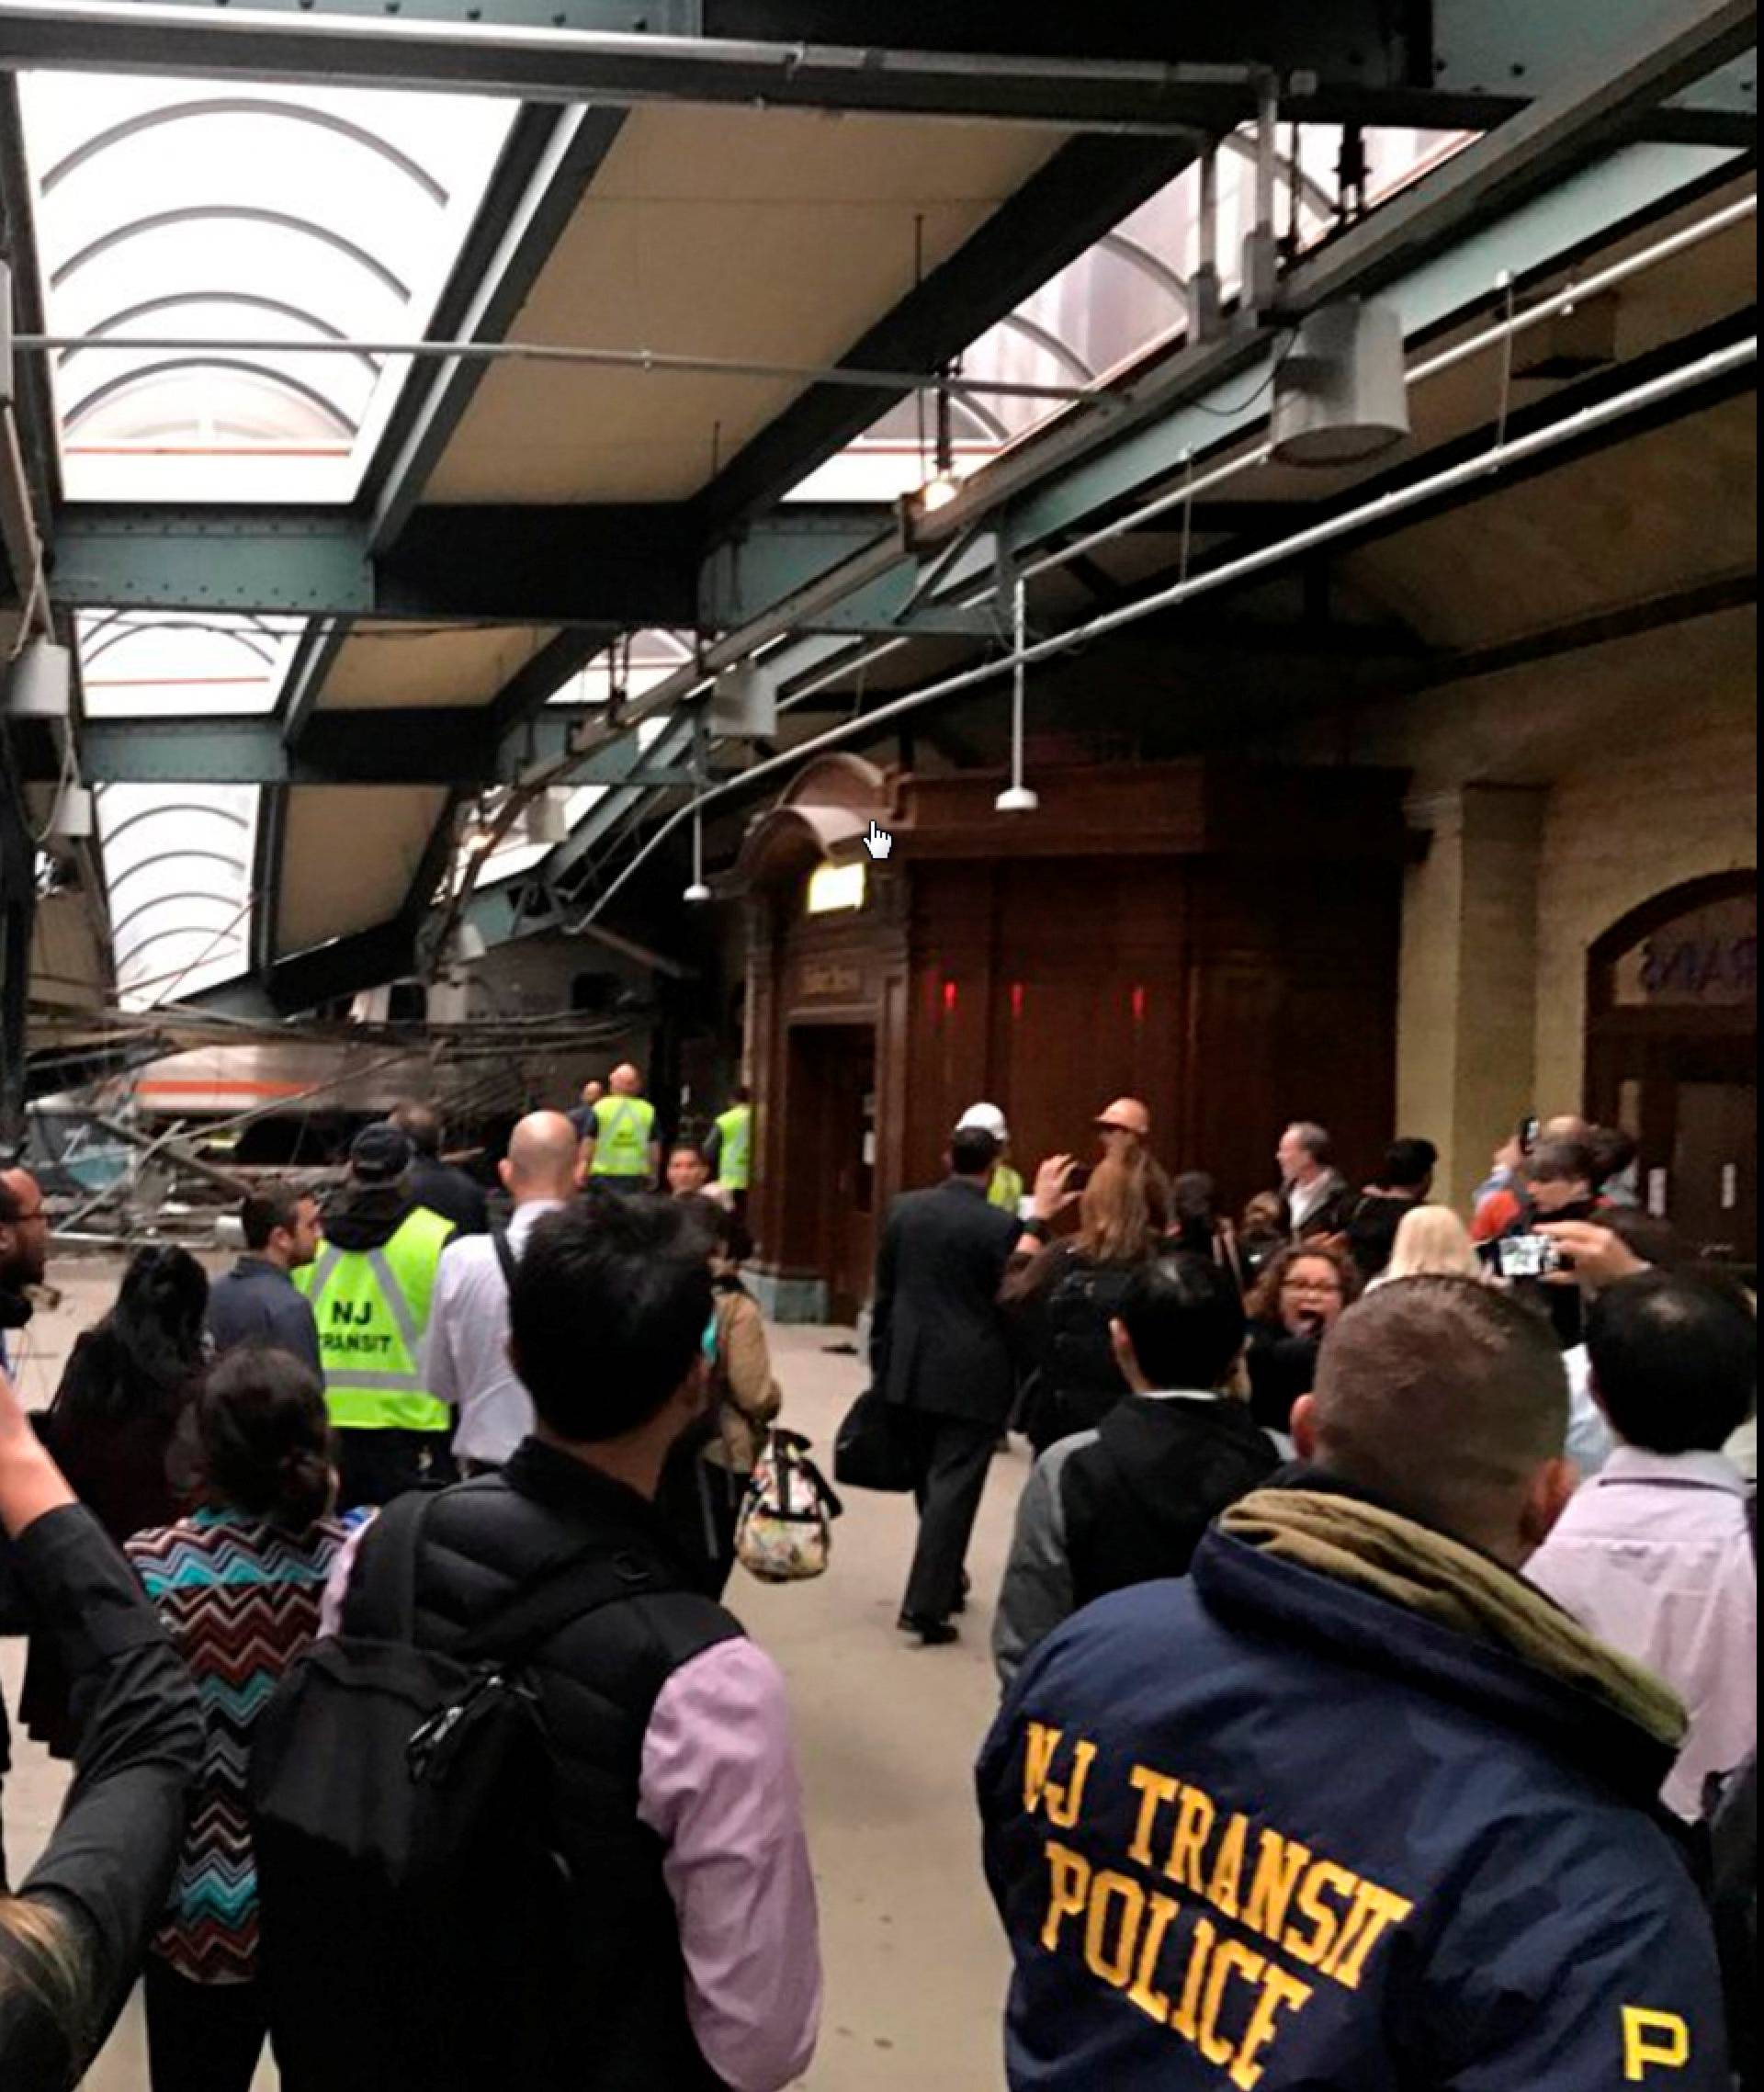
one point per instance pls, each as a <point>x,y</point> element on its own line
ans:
<point>1257,1829</point>
<point>258,1303</point>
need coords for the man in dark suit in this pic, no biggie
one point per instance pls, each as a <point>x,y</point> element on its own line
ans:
<point>940,1356</point>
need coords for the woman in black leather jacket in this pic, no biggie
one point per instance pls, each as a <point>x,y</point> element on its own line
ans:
<point>1061,1303</point>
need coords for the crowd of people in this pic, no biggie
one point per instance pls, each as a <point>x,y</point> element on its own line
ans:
<point>1377,1640</point>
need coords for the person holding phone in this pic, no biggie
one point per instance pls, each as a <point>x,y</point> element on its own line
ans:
<point>1560,1185</point>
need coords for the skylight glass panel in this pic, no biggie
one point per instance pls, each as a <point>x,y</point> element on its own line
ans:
<point>652,656</point>
<point>164,664</point>
<point>259,218</point>
<point>1124,297</point>
<point>177,872</point>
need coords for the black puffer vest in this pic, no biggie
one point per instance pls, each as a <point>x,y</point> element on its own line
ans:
<point>598,1680</point>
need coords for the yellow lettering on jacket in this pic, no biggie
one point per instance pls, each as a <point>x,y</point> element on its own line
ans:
<point>1653,2041</point>
<point>1061,1804</point>
<point>1222,1891</point>
<point>1325,1878</point>
<point>1279,1863</point>
<point>1280,1993</point>
<point>1195,1817</point>
<point>1233,1958</point>
<point>1113,1964</point>
<point>1185,2019</point>
<point>1069,1890</point>
<point>1156,1790</point>
<point>1145,1993</point>
<point>1374,1910</point>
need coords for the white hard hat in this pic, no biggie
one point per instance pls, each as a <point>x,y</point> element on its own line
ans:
<point>987,1118</point>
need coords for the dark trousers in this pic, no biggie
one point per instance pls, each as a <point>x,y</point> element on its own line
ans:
<point>375,1467</point>
<point>201,2037</point>
<point>950,1457</point>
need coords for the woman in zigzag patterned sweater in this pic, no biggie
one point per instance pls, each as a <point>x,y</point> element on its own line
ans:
<point>237,1584</point>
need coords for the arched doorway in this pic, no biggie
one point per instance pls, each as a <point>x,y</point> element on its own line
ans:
<point>1672,1056</point>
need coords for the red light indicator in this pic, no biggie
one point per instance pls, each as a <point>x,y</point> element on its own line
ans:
<point>949,998</point>
<point>1138,1005</point>
<point>1016,999</point>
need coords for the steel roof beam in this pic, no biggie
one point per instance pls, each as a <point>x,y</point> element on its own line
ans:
<point>1363,73</point>
<point>576,142</point>
<point>408,744</point>
<point>1083,192</point>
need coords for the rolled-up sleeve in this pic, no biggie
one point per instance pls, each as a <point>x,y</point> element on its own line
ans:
<point>720,1787</point>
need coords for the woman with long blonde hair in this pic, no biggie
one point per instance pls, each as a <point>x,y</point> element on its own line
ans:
<point>1062,1302</point>
<point>1431,1242</point>
<point>71,1941</point>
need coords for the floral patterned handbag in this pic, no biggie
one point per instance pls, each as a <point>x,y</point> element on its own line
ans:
<point>784,1532</point>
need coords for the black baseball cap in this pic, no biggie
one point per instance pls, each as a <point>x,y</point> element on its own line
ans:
<point>380,1153</point>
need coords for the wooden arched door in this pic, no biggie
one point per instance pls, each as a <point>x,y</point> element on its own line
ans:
<point>1672,1056</point>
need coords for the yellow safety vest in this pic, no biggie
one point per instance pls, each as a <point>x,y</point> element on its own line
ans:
<point>372,1309</point>
<point>1006,1187</point>
<point>735,1147</point>
<point>622,1129</point>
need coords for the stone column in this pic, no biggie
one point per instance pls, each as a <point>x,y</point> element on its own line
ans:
<point>1467,1012</point>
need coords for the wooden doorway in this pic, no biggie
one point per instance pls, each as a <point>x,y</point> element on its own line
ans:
<point>1672,1057</point>
<point>833,1089</point>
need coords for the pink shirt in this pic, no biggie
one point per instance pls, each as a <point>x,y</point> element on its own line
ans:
<point>1653,1555</point>
<point>718,1786</point>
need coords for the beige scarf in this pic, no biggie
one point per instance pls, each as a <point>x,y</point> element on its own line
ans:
<point>1442,1580</point>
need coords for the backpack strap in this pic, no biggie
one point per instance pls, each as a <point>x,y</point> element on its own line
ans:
<point>505,1255</point>
<point>381,1604</point>
<point>583,1582</point>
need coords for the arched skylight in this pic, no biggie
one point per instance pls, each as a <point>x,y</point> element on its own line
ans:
<point>185,209</point>
<point>166,665</point>
<point>177,867</point>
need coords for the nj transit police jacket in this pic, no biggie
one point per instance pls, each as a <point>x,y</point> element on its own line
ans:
<point>1257,1829</point>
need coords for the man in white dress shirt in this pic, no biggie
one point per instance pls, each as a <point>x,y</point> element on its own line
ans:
<point>466,1362</point>
<point>1653,1554</point>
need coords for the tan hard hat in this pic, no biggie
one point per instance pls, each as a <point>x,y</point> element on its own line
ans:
<point>1126,1114</point>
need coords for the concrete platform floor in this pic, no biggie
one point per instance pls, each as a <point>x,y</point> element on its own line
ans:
<point>886,1732</point>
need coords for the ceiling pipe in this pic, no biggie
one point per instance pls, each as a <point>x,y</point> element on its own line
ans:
<point>772,629</point>
<point>654,362</point>
<point>1583,422</point>
<point>1118,97</point>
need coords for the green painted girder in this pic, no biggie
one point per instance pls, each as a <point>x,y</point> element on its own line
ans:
<point>615,567</point>
<point>1177,70</point>
<point>745,578</point>
<point>396,745</point>
<point>618,565</point>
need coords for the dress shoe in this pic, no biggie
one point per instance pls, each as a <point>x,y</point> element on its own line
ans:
<point>932,1633</point>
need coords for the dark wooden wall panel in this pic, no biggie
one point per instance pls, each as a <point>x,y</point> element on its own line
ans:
<point>1232,984</point>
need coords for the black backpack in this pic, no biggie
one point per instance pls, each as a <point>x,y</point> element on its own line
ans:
<point>414,1904</point>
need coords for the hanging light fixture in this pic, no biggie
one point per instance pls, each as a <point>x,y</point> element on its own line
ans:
<point>698,893</point>
<point>1341,394</point>
<point>1017,797</point>
<point>943,486</point>
<point>547,816</point>
<point>479,834</point>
